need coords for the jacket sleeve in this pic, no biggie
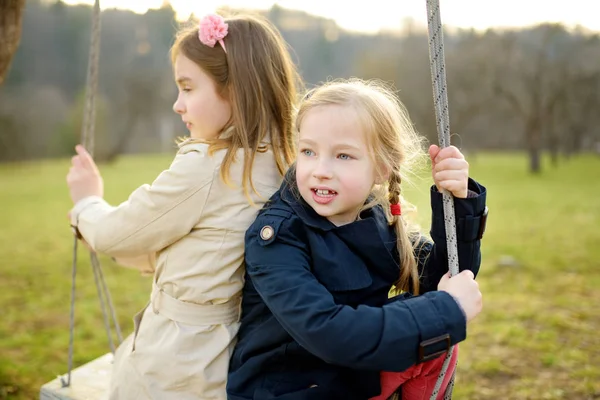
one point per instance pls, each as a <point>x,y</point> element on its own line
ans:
<point>145,263</point>
<point>155,215</point>
<point>433,257</point>
<point>376,338</point>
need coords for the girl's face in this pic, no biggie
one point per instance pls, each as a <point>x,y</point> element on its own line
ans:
<point>204,111</point>
<point>334,170</point>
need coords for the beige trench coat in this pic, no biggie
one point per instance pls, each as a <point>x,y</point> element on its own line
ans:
<point>190,226</point>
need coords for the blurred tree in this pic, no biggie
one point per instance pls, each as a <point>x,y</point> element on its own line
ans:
<point>532,77</point>
<point>536,88</point>
<point>578,110</point>
<point>11,14</point>
<point>469,64</point>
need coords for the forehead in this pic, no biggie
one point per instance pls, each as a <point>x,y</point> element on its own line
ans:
<point>332,124</point>
<point>184,68</point>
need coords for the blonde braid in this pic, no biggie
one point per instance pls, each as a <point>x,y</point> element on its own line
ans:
<point>409,273</point>
<point>394,187</point>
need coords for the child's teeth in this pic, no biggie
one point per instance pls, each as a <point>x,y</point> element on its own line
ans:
<point>324,192</point>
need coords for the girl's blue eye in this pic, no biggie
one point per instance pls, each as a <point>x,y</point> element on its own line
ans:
<point>344,157</point>
<point>307,152</point>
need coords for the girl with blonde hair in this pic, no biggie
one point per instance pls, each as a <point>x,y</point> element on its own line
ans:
<point>325,251</point>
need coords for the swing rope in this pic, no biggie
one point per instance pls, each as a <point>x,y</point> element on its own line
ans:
<point>440,100</point>
<point>87,140</point>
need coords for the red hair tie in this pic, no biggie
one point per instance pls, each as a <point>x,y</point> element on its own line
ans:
<point>395,209</point>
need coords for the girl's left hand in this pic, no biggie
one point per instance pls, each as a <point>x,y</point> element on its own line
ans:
<point>84,179</point>
<point>450,170</point>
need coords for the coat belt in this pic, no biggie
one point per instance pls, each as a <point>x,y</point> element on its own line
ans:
<point>192,313</point>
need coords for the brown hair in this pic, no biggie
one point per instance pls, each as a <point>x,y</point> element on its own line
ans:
<point>260,80</point>
<point>397,151</point>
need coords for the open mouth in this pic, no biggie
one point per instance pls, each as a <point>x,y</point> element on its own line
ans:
<point>323,196</point>
<point>324,192</point>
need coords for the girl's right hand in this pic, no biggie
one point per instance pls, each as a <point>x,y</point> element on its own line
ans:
<point>83,178</point>
<point>465,290</point>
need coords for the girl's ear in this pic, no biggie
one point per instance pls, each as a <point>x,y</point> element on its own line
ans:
<point>225,94</point>
<point>382,174</point>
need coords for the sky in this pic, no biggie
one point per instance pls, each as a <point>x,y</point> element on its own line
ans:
<point>373,15</point>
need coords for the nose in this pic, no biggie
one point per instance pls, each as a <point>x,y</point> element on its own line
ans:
<point>323,169</point>
<point>178,106</point>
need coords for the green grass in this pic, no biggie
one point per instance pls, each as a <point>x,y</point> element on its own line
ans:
<point>537,337</point>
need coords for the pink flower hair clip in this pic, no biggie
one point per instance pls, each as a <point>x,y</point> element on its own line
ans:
<point>213,29</point>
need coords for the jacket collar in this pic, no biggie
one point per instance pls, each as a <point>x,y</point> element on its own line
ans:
<point>291,196</point>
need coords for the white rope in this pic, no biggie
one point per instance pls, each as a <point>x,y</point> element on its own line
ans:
<point>89,113</point>
<point>440,100</point>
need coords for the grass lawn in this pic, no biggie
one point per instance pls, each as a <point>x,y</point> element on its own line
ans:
<point>536,339</point>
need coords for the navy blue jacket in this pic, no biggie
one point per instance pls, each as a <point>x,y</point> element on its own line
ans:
<point>316,319</point>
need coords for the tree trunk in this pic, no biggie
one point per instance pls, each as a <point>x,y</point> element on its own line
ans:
<point>553,143</point>
<point>553,147</point>
<point>11,14</point>
<point>534,160</point>
<point>577,138</point>
<point>533,132</point>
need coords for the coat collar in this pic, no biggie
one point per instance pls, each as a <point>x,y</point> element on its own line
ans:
<point>226,134</point>
<point>291,196</point>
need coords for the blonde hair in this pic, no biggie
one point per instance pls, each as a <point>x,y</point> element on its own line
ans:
<point>260,80</point>
<point>397,151</point>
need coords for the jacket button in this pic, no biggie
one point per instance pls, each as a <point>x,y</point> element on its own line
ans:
<point>266,232</point>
